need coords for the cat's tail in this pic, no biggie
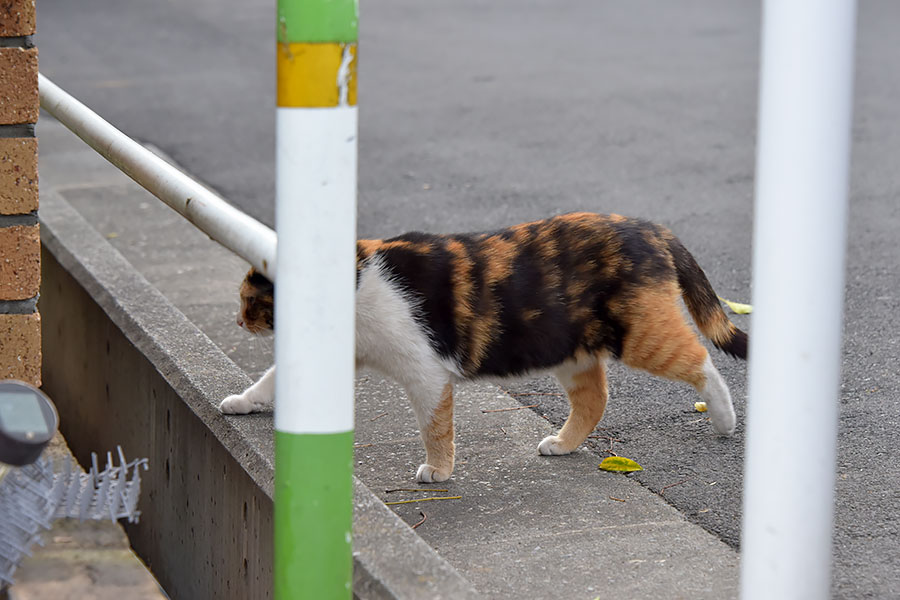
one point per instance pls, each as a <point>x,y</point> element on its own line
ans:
<point>703,304</point>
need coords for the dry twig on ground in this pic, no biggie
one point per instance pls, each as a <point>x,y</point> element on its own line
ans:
<point>494,410</point>
<point>423,500</point>
<point>665,487</point>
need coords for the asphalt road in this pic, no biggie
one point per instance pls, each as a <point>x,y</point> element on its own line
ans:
<point>475,115</point>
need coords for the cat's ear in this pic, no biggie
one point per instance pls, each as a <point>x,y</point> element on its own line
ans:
<point>259,281</point>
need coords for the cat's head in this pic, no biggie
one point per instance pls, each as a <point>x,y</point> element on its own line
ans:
<point>257,313</point>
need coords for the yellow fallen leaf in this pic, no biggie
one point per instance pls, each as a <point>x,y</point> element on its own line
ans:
<point>700,406</point>
<point>619,464</point>
<point>736,307</point>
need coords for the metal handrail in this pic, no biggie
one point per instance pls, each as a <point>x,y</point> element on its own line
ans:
<point>235,230</point>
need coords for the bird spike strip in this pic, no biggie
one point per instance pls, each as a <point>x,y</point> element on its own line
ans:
<point>32,497</point>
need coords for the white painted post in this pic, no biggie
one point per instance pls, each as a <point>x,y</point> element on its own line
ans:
<point>315,214</point>
<point>798,284</point>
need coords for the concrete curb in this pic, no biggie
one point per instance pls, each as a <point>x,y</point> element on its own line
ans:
<point>124,365</point>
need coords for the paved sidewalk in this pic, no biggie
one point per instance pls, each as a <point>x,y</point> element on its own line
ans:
<point>526,525</point>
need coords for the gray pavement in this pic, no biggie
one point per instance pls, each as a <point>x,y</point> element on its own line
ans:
<point>525,525</point>
<point>475,116</point>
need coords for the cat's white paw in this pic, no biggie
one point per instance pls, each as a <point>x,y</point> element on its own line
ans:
<point>718,400</point>
<point>552,445</point>
<point>724,423</point>
<point>239,404</point>
<point>429,474</point>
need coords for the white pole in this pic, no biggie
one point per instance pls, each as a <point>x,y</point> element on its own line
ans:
<point>315,212</point>
<point>240,233</point>
<point>798,283</point>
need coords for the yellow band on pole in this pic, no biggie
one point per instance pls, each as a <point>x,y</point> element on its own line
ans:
<point>318,75</point>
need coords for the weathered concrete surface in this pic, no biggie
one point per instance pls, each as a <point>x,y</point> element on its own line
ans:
<point>530,525</point>
<point>526,526</point>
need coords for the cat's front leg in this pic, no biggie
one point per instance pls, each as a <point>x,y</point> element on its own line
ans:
<point>258,397</point>
<point>436,427</point>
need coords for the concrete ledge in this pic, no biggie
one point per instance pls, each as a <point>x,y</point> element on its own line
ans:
<point>126,367</point>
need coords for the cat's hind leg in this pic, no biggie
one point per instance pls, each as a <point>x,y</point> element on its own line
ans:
<point>259,396</point>
<point>661,342</point>
<point>584,379</point>
<point>718,399</point>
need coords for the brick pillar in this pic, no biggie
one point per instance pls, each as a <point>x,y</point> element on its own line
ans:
<point>20,246</point>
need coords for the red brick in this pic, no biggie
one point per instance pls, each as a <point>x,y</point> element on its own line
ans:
<point>20,348</point>
<point>20,262</point>
<point>18,175</point>
<point>16,17</point>
<point>19,102</point>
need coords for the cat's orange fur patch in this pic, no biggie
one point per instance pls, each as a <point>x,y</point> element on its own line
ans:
<point>482,334</point>
<point>576,286</point>
<point>521,233</point>
<point>367,247</point>
<point>531,314</point>
<point>438,434</point>
<point>499,254</point>
<point>659,340</point>
<point>415,247</point>
<point>579,217</point>
<point>587,398</point>
<point>462,286</point>
<point>718,327</point>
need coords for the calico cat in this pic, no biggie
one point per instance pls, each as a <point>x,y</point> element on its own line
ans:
<point>562,294</point>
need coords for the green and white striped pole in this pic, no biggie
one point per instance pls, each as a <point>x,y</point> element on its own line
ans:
<point>316,274</point>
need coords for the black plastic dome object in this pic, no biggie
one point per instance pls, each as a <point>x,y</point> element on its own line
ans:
<point>28,421</point>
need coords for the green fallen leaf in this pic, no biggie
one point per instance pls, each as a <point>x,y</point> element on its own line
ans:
<point>736,307</point>
<point>620,464</point>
